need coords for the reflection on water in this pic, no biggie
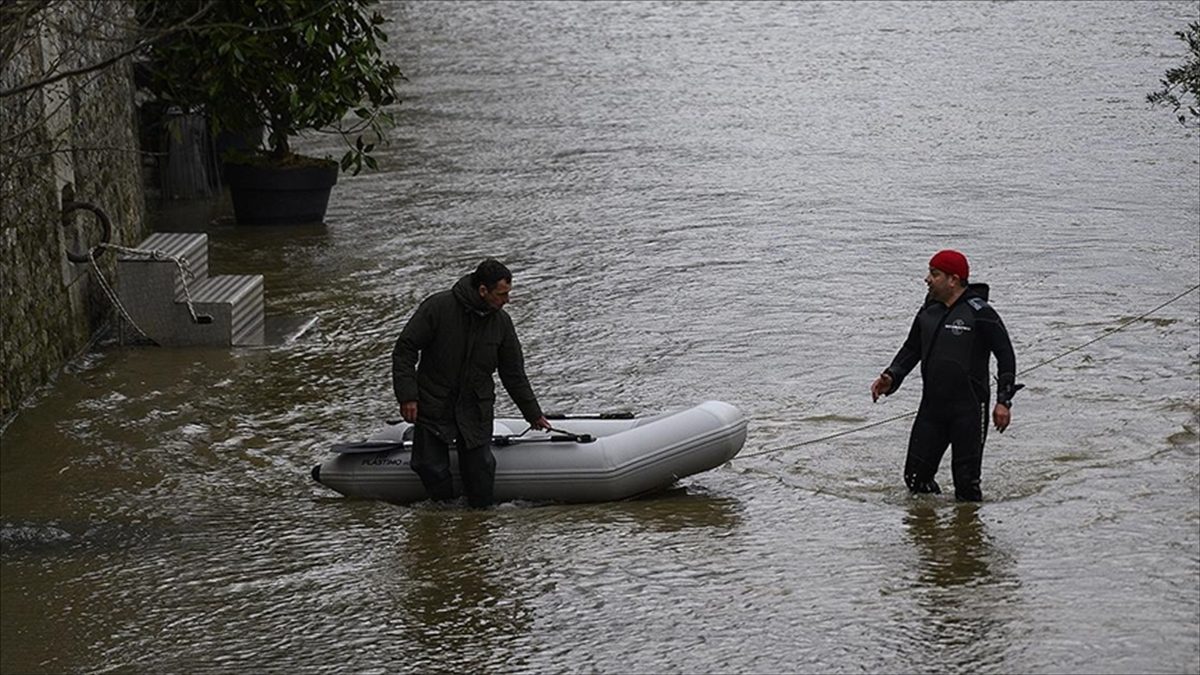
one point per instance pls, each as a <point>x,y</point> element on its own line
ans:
<point>459,607</point>
<point>674,510</point>
<point>953,545</point>
<point>964,584</point>
<point>470,587</point>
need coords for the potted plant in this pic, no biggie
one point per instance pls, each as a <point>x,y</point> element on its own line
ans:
<point>287,65</point>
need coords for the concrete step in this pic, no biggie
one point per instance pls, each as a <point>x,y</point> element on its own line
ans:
<point>192,246</point>
<point>235,302</point>
<point>152,290</point>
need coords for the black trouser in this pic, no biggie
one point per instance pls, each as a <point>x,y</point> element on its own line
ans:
<point>964,428</point>
<point>431,461</point>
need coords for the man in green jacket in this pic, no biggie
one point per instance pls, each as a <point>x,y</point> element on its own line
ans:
<point>461,336</point>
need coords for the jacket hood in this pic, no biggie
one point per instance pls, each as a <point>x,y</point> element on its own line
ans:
<point>468,296</point>
<point>973,291</point>
<point>980,290</point>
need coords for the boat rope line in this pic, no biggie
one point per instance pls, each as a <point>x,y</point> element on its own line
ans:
<point>185,274</point>
<point>112,295</point>
<point>1122,326</point>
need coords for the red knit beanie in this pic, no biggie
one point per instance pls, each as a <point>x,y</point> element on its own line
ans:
<point>951,262</point>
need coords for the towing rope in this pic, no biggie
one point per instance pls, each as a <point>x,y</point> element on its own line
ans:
<point>185,274</point>
<point>1125,324</point>
<point>112,296</point>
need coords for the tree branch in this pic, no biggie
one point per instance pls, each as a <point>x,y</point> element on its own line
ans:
<point>109,61</point>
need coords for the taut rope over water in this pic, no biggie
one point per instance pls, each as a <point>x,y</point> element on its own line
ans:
<point>1030,369</point>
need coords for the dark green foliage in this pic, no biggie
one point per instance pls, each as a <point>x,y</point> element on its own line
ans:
<point>293,65</point>
<point>1182,81</point>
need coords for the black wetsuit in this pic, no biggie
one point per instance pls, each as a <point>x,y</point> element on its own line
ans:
<point>953,344</point>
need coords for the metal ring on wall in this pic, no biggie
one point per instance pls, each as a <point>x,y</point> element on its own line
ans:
<point>105,223</point>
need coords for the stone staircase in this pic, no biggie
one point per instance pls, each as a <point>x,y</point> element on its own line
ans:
<point>228,308</point>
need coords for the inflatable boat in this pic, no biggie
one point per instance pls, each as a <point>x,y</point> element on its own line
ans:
<point>590,459</point>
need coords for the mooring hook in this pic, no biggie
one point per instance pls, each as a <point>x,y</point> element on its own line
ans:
<point>105,224</point>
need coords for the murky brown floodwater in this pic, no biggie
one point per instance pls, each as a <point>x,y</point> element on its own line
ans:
<point>730,201</point>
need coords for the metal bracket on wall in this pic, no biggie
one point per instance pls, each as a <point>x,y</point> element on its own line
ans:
<point>69,207</point>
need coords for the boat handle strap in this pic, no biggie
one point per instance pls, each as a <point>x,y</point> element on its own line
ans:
<point>564,435</point>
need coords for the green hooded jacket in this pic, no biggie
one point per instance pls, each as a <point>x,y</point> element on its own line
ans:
<point>461,341</point>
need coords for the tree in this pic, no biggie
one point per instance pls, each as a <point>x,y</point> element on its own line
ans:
<point>292,65</point>
<point>1179,82</point>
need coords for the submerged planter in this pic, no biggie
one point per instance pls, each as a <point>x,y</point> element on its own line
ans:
<point>280,195</point>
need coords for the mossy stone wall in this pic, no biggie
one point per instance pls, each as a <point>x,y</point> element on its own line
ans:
<point>78,135</point>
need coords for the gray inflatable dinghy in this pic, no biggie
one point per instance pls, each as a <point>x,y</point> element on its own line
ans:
<point>595,459</point>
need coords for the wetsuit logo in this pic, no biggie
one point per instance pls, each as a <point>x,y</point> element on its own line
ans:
<point>958,327</point>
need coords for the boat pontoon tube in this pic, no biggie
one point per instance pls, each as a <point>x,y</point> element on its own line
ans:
<point>624,458</point>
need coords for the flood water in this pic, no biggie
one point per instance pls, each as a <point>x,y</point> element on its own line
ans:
<point>730,201</point>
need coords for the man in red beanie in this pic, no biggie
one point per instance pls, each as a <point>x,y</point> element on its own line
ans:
<point>952,337</point>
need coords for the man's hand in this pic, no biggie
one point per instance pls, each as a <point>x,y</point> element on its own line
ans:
<point>541,423</point>
<point>408,410</point>
<point>1001,416</point>
<point>881,386</point>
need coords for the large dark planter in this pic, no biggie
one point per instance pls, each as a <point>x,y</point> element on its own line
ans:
<point>285,195</point>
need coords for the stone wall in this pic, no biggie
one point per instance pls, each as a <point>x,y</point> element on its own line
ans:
<point>75,136</point>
